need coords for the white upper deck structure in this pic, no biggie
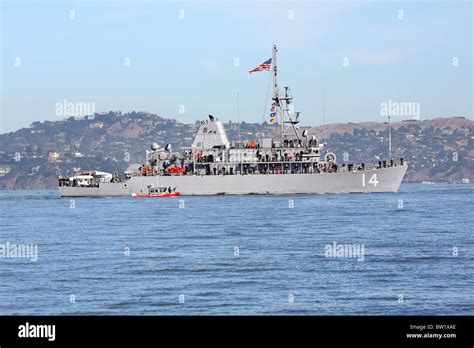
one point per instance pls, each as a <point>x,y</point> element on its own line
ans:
<point>211,133</point>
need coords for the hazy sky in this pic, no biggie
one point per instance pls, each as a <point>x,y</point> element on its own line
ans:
<point>184,53</point>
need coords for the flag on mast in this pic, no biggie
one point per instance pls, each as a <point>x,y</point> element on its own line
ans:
<point>273,118</point>
<point>273,113</point>
<point>264,66</point>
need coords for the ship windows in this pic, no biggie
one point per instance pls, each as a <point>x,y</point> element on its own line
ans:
<point>204,130</point>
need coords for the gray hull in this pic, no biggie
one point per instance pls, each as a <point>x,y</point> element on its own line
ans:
<point>375,180</point>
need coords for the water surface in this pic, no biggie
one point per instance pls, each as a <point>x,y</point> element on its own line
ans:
<point>240,254</point>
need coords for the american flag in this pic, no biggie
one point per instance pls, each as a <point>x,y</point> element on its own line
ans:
<point>264,66</point>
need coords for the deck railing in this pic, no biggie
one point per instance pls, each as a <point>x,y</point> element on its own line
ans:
<point>263,168</point>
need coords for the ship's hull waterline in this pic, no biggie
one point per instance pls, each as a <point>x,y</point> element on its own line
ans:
<point>367,181</point>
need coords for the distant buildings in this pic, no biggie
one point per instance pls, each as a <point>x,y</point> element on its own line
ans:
<point>4,170</point>
<point>96,125</point>
<point>53,156</point>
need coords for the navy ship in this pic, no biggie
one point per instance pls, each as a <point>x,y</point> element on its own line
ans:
<point>291,162</point>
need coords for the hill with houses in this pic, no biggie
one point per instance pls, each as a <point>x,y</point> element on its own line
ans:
<point>438,150</point>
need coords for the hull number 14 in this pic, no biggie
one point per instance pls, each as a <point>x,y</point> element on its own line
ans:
<point>373,180</point>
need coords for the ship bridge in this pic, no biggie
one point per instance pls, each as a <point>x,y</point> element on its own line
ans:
<point>211,134</point>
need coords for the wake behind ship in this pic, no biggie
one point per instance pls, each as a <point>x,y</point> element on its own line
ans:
<point>292,163</point>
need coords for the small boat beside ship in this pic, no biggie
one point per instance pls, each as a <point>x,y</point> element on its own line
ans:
<point>157,192</point>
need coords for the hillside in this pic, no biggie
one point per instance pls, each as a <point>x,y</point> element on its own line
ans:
<point>438,150</point>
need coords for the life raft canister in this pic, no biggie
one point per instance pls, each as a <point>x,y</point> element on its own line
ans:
<point>176,170</point>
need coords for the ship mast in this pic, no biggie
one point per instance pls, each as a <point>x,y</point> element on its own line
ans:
<point>279,99</point>
<point>276,91</point>
<point>389,139</point>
